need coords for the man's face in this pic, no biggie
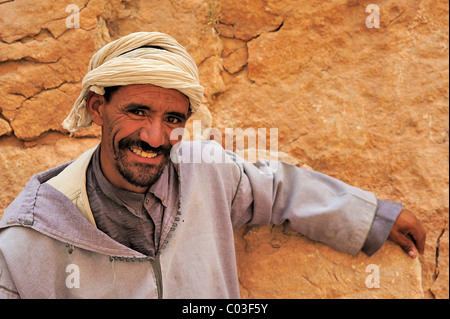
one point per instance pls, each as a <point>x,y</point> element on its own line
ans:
<point>136,127</point>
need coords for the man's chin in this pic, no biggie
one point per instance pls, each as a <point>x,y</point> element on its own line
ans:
<point>141,174</point>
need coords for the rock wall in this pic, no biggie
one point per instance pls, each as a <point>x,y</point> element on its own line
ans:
<point>368,106</point>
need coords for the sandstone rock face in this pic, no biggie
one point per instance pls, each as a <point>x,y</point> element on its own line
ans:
<point>368,106</point>
<point>300,268</point>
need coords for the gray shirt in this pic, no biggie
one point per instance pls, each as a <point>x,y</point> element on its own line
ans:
<point>50,223</point>
<point>137,220</point>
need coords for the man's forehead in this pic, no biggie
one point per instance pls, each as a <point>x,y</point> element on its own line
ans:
<point>142,92</point>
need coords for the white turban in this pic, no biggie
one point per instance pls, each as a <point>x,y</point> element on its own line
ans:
<point>130,60</point>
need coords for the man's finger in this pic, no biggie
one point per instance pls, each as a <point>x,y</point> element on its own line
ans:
<point>410,232</point>
<point>417,233</point>
<point>419,236</point>
<point>405,243</point>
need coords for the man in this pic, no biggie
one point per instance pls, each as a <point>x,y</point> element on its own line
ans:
<point>136,217</point>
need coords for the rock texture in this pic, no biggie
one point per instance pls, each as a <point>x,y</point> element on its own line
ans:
<point>300,268</point>
<point>366,105</point>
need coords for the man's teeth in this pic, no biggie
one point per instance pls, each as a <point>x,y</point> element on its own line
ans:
<point>142,153</point>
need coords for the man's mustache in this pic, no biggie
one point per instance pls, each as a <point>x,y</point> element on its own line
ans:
<point>130,142</point>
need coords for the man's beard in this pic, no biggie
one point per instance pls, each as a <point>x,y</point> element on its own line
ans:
<point>140,174</point>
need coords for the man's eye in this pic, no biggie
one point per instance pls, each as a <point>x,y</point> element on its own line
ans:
<point>138,112</point>
<point>173,120</point>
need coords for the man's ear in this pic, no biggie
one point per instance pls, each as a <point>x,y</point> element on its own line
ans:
<point>95,104</point>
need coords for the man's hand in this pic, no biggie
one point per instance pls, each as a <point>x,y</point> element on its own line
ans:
<point>409,233</point>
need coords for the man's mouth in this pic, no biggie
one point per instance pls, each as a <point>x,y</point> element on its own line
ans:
<point>141,153</point>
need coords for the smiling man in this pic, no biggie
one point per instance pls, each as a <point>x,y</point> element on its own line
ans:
<point>134,217</point>
<point>136,126</point>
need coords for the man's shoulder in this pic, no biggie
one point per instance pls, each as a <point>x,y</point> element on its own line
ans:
<point>16,212</point>
<point>20,210</point>
<point>202,152</point>
<point>202,164</point>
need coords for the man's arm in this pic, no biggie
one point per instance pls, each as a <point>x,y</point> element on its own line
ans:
<point>317,206</point>
<point>322,208</point>
<point>386,214</point>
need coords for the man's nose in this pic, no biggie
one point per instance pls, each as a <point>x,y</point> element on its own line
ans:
<point>153,133</point>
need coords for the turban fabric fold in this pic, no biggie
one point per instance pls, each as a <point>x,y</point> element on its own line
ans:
<point>138,58</point>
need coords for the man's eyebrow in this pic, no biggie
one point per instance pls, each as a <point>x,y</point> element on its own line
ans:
<point>178,114</point>
<point>132,106</point>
